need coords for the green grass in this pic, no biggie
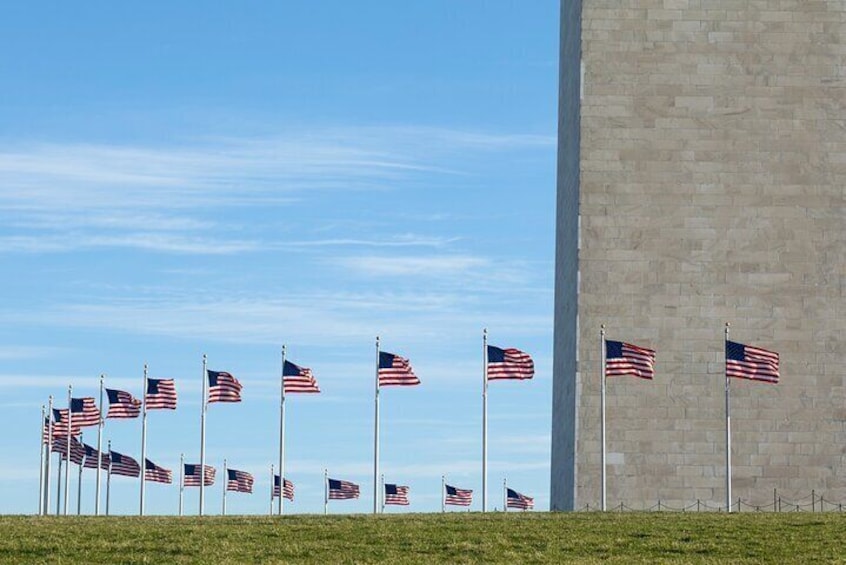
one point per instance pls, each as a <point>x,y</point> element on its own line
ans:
<point>428,538</point>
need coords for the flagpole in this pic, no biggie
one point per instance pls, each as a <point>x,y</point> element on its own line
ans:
<point>485,420</point>
<point>224,481</point>
<point>79,485</point>
<point>41,462</point>
<point>281,438</point>
<point>443,493</point>
<point>504,495</point>
<point>181,479</point>
<point>376,437</point>
<point>603,498</point>
<point>383,497</point>
<point>109,479</point>
<point>46,502</point>
<point>100,426</point>
<point>325,491</point>
<point>203,436</point>
<point>70,435</point>
<point>272,479</point>
<point>143,440</point>
<point>59,488</point>
<point>728,429</point>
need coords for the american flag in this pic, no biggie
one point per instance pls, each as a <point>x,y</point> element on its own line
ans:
<point>289,488</point>
<point>395,494</point>
<point>458,496</point>
<point>123,465</point>
<point>395,370</point>
<point>77,451</point>
<point>223,387</point>
<point>122,404</point>
<point>156,474</point>
<point>45,431</point>
<point>298,379</point>
<point>84,412</point>
<point>509,364</point>
<point>60,423</point>
<point>239,481</point>
<point>91,458</point>
<point>192,475</point>
<point>342,490</point>
<point>623,359</point>
<point>754,363</point>
<point>514,499</point>
<point>161,394</point>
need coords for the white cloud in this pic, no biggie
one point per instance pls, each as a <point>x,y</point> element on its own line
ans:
<point>411,266</point>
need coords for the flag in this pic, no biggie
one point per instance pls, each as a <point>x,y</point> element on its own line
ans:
<point>122,404</point>
<point>156,474</point>
<point>342,490</point>
<point>298,379</point>
<point>288,490</point>
<point>239,481</point>
<point>161,394</point>
<point>91,458</point>
<point>395,494</point>
<point>77,451</point>
<point>192,475</point>
<point>60,423</point>
<point>514,499</point>
<point>223,387</point>
<point>395,370</point>
<point>626,359</point>
<point>45,431</point>
<point>124,465</point>
<point>458,496</point>
<point>754,363</point>
<point>509,364</point>
<point>84,412</point>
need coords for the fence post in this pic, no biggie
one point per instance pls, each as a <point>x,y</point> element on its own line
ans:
<point>775,492</point>
<point>697,505</point>
<point>659,505</point>
<point>621,506</point>
<point>738,504</point>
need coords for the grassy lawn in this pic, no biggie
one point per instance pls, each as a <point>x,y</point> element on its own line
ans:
<point>427,538</point>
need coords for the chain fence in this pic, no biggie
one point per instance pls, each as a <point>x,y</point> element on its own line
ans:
<point>810,503</point>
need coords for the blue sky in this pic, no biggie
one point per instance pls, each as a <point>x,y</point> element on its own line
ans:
<point>199,177</point>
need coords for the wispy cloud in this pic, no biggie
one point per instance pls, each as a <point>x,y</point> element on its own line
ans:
<point>417,266</point>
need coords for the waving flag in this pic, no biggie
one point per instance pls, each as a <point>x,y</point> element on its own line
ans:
<point>754,363</point>
<point>122,404</point>
<point>192,475</point>
<point>288,490</point>
<point>161,394</point>
<point>91,458</point>
<point>156,474</point>
<point>298,379</point>
<point>395,370</point>
<point>458,496</point>
<point>509,364</point>
<point>77,451</point>
<point>514,499</point>
<point>84,412</point>
<point>124,465</point>
<point>239,481</point>
<point>623,359</point>
<point>45,431</point>
<point>395,494</point>
<point>342,490</point>
<point>223,387</point>
<point>60,423</point>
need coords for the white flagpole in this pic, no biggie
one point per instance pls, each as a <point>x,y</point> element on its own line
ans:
<point>109,479</point>
<point>99,447</point>
<point>59,488</point>
<point>203,436</point>
<point>41,462</point>
<point>181,479</point>
<point>376,437</point>
<point>46,502</point>
<point>225,482</point>
<point>728,430</point>
<point>504,495</point>
<point>485,420</point>
<point>67,463</point>
<point>143,441</point>
<point>281,438</point>
<point>443,493</point>
<point>79,486</point>
<point>383,494</point>
<point>325,491</point>
<point>272,478</point>
<point>603,499</point>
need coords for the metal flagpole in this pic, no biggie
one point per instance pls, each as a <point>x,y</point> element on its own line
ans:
<point>603,498</point>
<point>99,447</point>
<point>325,491</point>
<point>59,488</point>
<point>181,480</point>
<point>272,479</point>
<point>109,479</point>
<point>41,465</point>
<point>79,486</point>
<point>70,435</point>
<point>376,437</point>
<point>281,437</point>
<point>382,487</point>
<point>203,437</point>
<point>505,495</point>
<point>143,441</point>
<point>443,493</point>
<point>485,420</point>
<point>728,430</point>
<point>46,502</point>
<point>225,482</point>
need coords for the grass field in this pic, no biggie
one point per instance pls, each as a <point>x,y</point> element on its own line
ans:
<point>428,538</point>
